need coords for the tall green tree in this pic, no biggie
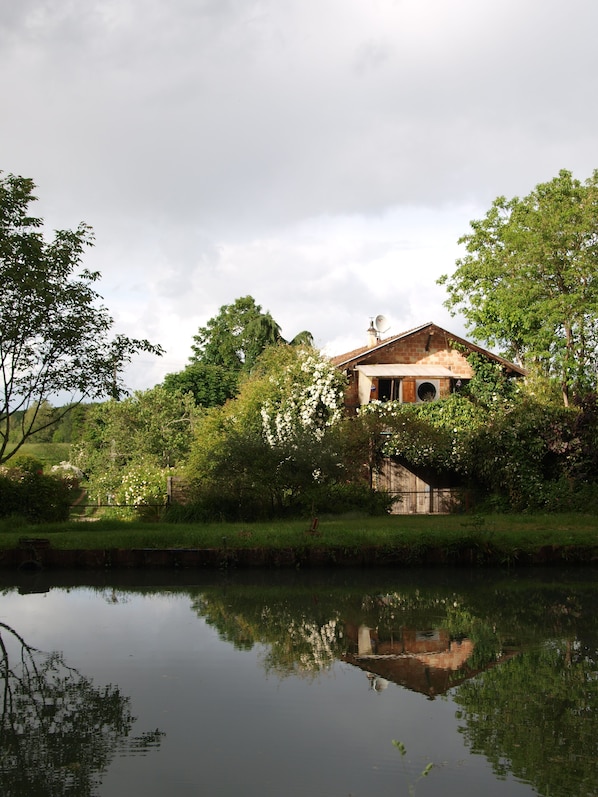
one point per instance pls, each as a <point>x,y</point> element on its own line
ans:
<point>54,331</point>
<point>44,420</point>
<point>529,281</point>
<point>237,335</point>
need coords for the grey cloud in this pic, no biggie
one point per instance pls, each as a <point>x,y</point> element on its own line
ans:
<point>202,140</point>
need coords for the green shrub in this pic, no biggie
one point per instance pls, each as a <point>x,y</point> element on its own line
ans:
<point>13,523</point>
<point>35,496</point>
<point>26,463</point>
<point>143,487</point>
<point>185,513</point>
<point>211,504</point>
<point>337,499</point>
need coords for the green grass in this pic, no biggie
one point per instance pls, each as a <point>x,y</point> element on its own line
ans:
<point>47,453</point>
<point>503,532</point>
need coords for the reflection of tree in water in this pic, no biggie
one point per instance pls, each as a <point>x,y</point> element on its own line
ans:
<point>301,638</point>
<point>537,717</point>
<point>306,632</point>
<point>58,732</point>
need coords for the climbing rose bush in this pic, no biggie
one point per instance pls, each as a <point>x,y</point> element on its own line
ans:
<point>306,397</point>
<point>432,434</point>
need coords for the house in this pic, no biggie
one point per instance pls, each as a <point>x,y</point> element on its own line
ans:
<point>423,364</point>
<point>426,363</point>
<point>429,661</point>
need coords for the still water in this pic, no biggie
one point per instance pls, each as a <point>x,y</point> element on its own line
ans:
<point>340,684</point>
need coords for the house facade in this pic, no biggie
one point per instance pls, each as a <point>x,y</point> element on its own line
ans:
<point>423,364</point>
<point>426,363</point>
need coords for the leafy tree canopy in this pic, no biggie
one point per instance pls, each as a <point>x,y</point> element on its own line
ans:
<point>528,281</point>
<point>54,332</point>
<point>210,385</point>
<point>237,336</point>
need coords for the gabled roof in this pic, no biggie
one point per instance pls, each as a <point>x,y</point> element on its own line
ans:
<point>387,370</point>
<point>352,358</point>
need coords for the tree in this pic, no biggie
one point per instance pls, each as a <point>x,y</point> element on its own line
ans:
<point>528,282</point>
<point>135,442</point>
<point>54,332</point>
<point>266,449</point>
<point>44,415</point>
<point>237,336</point>
<point>210,385</point>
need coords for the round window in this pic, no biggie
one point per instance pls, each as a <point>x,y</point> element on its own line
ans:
<point>426,391</point>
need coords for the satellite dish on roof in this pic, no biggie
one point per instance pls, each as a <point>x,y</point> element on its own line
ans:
<point>382,324</point>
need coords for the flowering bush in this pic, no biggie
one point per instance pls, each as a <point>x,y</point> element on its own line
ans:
<point>432,434</point>
<point>259,454</point>
<point>136,490</point>
<point>307,398</point>
<point>143,487</point>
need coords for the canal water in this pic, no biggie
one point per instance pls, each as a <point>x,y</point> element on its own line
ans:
<point>332,684</point>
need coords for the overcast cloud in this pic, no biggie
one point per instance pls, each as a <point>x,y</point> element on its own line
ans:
<point>323,156</point>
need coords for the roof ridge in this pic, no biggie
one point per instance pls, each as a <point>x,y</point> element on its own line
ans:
<point>343,359</point>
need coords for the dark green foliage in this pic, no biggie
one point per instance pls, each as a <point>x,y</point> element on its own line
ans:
<point>210,385</point>
<point>226,349</point>
<point>236,336</point>
<point>185,513</point>
<point>243,478</point>
<point>43,417</point>
<point>433,435</point>
<point>127,447</point>
<point>583,467</point>
<point>261,454</point>
<point>69,428</point>
<point>522,451</point>
<point>513,450</point>
<point>150,425</point>
<point>534,718</point>
<point>36,496</point>
<point>338,498</point>
<point>490,382</point>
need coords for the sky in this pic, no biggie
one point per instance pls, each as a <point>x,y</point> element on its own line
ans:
<point>322,156</point>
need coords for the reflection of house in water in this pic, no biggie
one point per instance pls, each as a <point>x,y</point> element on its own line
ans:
<point>430,662</point>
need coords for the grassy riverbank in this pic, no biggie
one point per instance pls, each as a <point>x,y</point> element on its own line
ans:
<point>502,533</point>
